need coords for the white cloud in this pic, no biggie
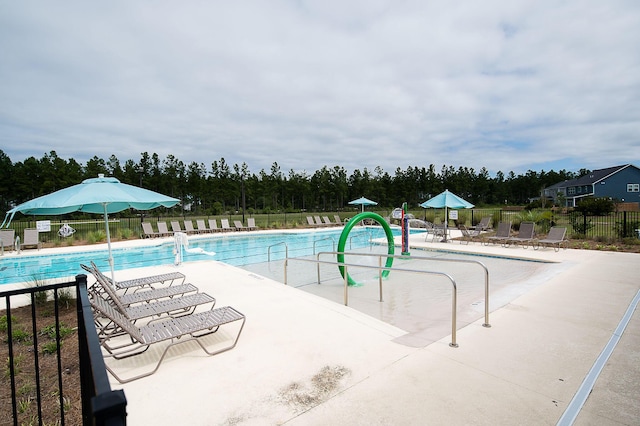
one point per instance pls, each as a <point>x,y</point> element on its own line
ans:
<point>506,85</point>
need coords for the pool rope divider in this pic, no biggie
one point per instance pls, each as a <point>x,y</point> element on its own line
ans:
<point>343,241</point>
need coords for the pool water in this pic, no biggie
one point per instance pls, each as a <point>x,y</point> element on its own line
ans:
<point>236,249</point>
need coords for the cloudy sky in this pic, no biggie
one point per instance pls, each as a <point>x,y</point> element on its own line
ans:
<point>506,85</point>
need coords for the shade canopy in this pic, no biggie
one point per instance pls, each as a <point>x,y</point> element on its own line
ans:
<point>101,195</point>
<point>362,201</point>
<point>446,200</point>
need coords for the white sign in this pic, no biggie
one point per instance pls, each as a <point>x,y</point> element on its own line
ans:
<point>43,225</point>
<point>453,214</point>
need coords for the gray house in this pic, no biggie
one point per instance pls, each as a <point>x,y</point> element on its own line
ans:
<point>621,183</point>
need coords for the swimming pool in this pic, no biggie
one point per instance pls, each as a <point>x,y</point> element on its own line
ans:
<point>236,249</point>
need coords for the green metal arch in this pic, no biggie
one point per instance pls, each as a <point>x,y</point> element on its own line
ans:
<point>345,233</point>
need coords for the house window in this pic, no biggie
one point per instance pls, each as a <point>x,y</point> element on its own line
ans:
<point>633,187</point>
<point>571,190</point>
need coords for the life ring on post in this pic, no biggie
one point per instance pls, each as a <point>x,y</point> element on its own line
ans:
<point>345,233</point>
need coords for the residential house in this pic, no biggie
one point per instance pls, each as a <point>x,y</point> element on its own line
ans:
<point>620,183</point>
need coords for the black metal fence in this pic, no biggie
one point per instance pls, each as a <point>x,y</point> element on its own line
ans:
<point>100,405</point>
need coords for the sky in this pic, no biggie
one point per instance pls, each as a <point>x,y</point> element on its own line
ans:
<point>505,85</point>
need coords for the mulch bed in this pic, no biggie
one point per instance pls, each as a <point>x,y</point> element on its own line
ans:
<point>24,359</point>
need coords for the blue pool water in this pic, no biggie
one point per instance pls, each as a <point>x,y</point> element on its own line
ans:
<point>237,249</point>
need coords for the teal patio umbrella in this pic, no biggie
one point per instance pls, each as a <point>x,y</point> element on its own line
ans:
<point>446,200</point>
<point>363,202</point>
<point>101,195</point>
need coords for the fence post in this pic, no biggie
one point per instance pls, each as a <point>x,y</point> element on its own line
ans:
<point>624,224</point>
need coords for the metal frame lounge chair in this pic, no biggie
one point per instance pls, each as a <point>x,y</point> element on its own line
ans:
<point>483,225</point>
<point>31,239</point>
<point>526,235</point>
<point>174,307</point>
<point>175,226</point>
<point>172,330</point>
<point>338,220</point>
<point>554,239</point>
<point>148,231</point>
<point>251,224</point>
<point>318,221</point>
<point>7,239</point>
<point>188,227</point>
<point>202,226</point>
<point>502,234</point>
<point>468,235</point>
<point>239,226</point>
<point>213,226</point>
<point>143,282</point>
<point>163,230</point>
<point>310,221</point>
<point>224,225</point>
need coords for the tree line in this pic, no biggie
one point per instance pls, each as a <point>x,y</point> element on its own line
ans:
<point>220,187</point>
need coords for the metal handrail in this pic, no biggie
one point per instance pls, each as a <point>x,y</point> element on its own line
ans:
<point>439,259</point>
<point>323,239</point>
<point>18,246</point>
<point>380,268</point>
<point>286,250</point>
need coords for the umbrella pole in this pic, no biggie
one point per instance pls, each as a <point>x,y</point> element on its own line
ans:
<point>106,225</point>
<point>446,224</point>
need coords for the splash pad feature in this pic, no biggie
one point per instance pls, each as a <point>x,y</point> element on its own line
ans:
<point>345,234</point>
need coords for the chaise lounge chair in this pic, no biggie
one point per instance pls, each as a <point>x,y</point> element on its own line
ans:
<point>525,236</point>
<point>225,225</point>
<point>202,226</point>
<point>239,226</point>
<point>163,230</point>
<point>31,239</point>
<point>251,224</point>
<point>483,225</point>
<point>213,226</point>
<point>155,305</point>
<point>338,220</point>
<point>135,284</point>
<point>468,235</point>
<point>175,226</point>
<point>188,227</point>
<point>555,239</point>
<point>501,235</point>
<point>7,239</point>
<point>175,330</point>
<point>148,231</point>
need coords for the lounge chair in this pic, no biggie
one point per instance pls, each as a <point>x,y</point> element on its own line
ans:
<point>151,281</point>
<point>31,238</point>
<point>554,239</point>
<point>502,234</point>
<point>202,226</point>
<point>176,330</point>
<point>224,224</point>
<point>7,239</point>
<point>154,307</point>
<point>468,235</point>
<point>484,224</point>
<point>175,226</point>
<point>434,231</point>
<point>239,226</point>
<point>148,231</point>
<point>213,226</point>
<point>310,221</point>
<point>318,221</point>
<point>327,221</point>
<point>163,230</point>
<point>251,224</point>
<point>338,220</point>
<point>525,236</point>
<point>188,227</point>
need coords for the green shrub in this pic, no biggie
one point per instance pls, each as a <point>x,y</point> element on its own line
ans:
<point>19,335</point>
<point>595,206</point>
<point>4,324</point>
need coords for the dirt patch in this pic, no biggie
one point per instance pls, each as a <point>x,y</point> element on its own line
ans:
<point>25,368</point>
<point>307,395</point>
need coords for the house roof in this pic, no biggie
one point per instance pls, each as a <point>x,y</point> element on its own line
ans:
<point>591,178</point>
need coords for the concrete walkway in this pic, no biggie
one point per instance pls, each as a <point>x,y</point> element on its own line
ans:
<point>303,360</point>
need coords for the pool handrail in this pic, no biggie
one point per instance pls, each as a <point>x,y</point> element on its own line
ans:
<point>454,294</point>
<point>439,259</point>
<point>286,250</point>
<point>324,239</point>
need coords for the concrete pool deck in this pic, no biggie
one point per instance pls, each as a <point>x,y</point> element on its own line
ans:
<point>302,360</point>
